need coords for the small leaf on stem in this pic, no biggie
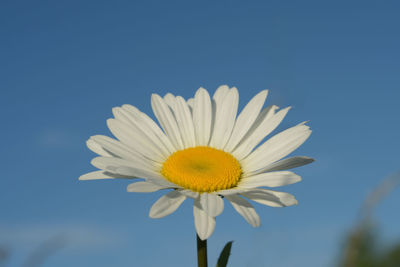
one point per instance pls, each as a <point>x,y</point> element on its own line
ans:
<point>224,256</point>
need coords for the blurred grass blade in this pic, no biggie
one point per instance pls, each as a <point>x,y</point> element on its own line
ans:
<point>224,256</point>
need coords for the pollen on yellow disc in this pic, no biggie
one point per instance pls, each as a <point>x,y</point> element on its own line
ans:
<point>202,169</point>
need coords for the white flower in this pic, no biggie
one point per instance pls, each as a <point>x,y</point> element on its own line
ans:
<point>203,152</point>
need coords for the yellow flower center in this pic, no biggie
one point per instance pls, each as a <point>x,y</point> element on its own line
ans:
<point>202,169</point>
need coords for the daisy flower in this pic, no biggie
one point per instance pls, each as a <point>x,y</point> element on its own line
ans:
<point>203,151</point>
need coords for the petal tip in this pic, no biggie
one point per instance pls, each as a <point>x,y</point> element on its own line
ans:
<point>264,92</point>
<point>89,141</point>
<point>153,214</point>
<point>115,111</point>
<point>129,188</point>
<point>234,90</point>
<point>155,96</point>
<point>309,160</point>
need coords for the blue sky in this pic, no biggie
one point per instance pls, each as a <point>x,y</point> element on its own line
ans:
<point>65,64</point>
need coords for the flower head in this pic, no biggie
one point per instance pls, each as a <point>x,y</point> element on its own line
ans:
<point>202,151</point>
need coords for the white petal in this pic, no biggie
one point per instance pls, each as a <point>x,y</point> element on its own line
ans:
<point>246,119</point>
<point>275,148</point>
<point>97,175</point>
<point>288,163</point>
<point>212,204</point>
<point>202,116</point>
<point>185,122</point>
<point>170,100</point>
<point>255,135</point>
<point>190,102</point>
<point>267,113</point>
<point>133,119</point>
<point>244,208</point>
<point>204,223</point>
<point>122,151</point>
<point>121,115</point>
<point>111,146</point>
<point>124,167</point>
<point>270,179</point>
<point>224,119</point>
<point>96,148</point>
<point>151,126</point>
<point>271,198</point>
<point>141,134</point>
<point>144,187</point>
<point>220,93</point>
<point>231,191</point>
<point>183,118</point>
<point>167,120</point>
<point>264,115</point>
<point>189,193</point>
<point>132,138</point>
<point>167,204</point>
<point>161,181</point>
<point>217,100</point>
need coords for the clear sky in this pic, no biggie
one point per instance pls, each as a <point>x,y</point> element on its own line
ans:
<point>65,64</point>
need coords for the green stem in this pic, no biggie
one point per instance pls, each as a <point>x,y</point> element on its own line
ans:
<point>201,252</point>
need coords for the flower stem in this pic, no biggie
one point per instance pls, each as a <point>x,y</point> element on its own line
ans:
<point>201,252</point>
